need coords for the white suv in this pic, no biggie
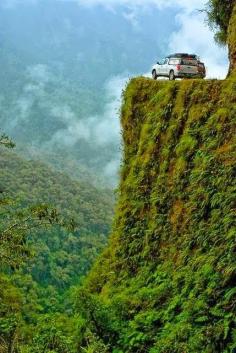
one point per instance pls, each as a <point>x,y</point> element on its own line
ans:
<point>179,66</point>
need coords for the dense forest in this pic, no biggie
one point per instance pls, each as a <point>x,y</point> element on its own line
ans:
<point>164,282</point>
<point>61,257</point>
<point>56,227</point>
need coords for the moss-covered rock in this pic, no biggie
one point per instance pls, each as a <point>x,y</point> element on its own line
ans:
<point>168,278</point>
<point>167,281</point>
<point>232,42</point>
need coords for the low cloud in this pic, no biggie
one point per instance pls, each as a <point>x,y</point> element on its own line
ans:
<point>111,169</point>
<point>39,73</point>
<point>36,78</point>
<point>20,113</point>
<point>100,130</point>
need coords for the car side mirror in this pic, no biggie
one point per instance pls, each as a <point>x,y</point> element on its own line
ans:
<point>158,63</point>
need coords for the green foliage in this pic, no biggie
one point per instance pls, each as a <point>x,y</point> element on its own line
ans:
<point>166,283</point>
<point>231,40</point>
<point>16,224</point>
<point>222,19</point>
<point>62,255</point>
<point>55,333</point>
<point>6,141</point>
<point>100,318</point>
<point>94,345</point>
<point>219,14</point>
<point>43,252</point>
<point>10,313</point>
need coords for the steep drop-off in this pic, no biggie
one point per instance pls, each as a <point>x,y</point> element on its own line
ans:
<point>167,280</point>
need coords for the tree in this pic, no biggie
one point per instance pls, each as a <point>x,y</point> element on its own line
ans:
<point>6,141</point>
<point>16,223</point>
<point>219,14</point>
<point>222,19</point>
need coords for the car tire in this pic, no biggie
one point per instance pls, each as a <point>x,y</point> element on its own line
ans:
<point>171,75</point>
<point>154,74</point>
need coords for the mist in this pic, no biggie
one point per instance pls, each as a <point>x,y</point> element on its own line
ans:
<point>65,63</point>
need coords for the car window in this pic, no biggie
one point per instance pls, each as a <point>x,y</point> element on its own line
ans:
<point>162,61</point>
<point>192,62</point>
<point>174,61</point>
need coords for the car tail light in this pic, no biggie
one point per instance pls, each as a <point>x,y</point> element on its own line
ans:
<point>178,67</point>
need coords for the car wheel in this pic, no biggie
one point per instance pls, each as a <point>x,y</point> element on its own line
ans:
<point>172,75</point>
<point>154,74</point>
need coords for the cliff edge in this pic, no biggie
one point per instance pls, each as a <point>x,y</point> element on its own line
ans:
<point>166,283</point>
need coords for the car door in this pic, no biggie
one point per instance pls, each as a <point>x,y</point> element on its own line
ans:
<point>166,67</point>
<point>160,67</point>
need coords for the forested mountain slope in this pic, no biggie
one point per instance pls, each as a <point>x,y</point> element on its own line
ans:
<point>61,257</point>
<point>41,262</point>
<point>167,280</point>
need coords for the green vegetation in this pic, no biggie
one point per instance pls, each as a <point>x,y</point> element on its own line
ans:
<point>167,280</point>
<point>6,141</point>
<point>232,42</point>
<point>61,256</point>
<point>219,13</point>
<point>44,252</point>
<point>222,18</point>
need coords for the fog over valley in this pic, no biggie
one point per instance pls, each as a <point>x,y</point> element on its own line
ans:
<point>65,63</point>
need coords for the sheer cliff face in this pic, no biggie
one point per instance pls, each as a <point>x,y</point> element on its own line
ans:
<point>232,43</point>
<point>178,164</point>
<point>169,272</point>
<point>167,280</point>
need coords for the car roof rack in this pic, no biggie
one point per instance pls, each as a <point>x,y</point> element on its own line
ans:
<point>182,55</point>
